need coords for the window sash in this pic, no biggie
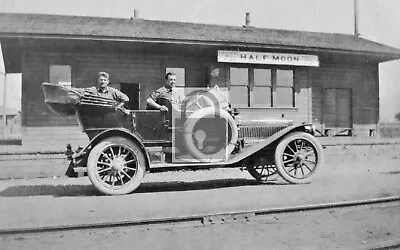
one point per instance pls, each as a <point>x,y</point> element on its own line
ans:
<point>262,96</point>
<point>284,78</point>
<point>238,96</point>
<point>262,77</point>
<point>239,76</point>
<point>283,97</point>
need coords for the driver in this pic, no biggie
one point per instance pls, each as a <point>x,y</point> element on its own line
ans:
<point>168,92</point>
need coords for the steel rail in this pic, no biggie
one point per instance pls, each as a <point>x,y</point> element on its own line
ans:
<point>200,218</point>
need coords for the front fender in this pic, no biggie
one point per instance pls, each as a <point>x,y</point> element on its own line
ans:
<point>272,140</point>
<point>115,132</point>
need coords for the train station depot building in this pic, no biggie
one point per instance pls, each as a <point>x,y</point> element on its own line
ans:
<point>331,80</point>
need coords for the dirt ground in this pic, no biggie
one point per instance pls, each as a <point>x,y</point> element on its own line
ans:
<point>345,176</point>
<point>364,227</point>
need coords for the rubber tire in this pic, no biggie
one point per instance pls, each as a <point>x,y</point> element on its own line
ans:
<point>281,147</point>
<point>92,166</point>
<point>256,175</point>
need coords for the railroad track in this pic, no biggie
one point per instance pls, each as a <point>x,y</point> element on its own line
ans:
<point>205,219</point>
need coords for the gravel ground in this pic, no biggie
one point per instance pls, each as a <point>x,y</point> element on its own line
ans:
<point>62,201</point>
<point>350,228</point>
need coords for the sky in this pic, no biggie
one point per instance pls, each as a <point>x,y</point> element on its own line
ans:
<point>378,21</point>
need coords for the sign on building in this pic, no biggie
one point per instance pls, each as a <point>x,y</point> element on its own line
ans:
<point>267,58</point>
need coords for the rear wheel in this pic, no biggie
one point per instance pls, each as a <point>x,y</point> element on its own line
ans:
<point>262,172</point>
<point>262,166</point>
<point>297,157</point>
<point>116,166</point>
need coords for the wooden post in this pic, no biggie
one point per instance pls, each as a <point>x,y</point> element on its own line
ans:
<point>4,106</point>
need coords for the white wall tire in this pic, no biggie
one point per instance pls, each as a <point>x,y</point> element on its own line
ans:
<point>116,166</point>
<point>297,157</point>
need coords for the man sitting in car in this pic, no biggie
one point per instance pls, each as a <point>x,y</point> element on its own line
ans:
<point>168,92</point>
<point>102,89</point>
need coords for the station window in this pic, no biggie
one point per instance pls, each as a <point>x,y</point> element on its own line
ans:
<point>261,87</point>
<point>284,89</point>
<point>60,74</point>
<point>262,91</point>
<point>239,87</point>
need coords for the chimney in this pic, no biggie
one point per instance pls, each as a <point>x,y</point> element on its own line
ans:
<point>247,20</point>
<point>135,14</point>
<point>356,33</point>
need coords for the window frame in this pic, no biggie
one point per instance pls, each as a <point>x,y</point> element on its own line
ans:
<point>270,87</point>
<point>60,64</point>
<point>275,93</point>
<point>236,85</point>
<point>273,87</point>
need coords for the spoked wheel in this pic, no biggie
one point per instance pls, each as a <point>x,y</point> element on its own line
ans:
<point>297,157</point>
<point>262,172</point>
<point>116,166</point>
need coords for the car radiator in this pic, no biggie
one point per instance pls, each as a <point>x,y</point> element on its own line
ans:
<point>258,130</point>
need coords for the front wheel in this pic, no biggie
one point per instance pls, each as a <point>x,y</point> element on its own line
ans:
<point>116,166</point>
<point>297,157</point>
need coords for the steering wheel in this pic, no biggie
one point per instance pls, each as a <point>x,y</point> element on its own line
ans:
<point>197,100</point>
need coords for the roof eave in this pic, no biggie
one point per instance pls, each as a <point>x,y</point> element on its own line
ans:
<point>384,56</point>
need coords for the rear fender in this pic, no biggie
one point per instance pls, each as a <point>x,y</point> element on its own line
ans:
<point>115,132</point>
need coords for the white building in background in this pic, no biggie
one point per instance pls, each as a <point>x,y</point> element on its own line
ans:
<point>10,102</point>
<point>389,91</point>
<point>13,95</point>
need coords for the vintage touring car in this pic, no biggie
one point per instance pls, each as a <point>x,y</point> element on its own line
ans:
<point>204,131</point>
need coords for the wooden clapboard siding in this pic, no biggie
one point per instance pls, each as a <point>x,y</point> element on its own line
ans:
<point>318,80</point>
<point>317,105</point>
<point>195,68</point>
<point>196,76</point>
<point>34,110</point>
<point>270,113</point>
<point>137,69</point>
<point>358,81</point>
<point>330,108</point>
<point>146,69</point>
<point>344,106</point>
<point>302,95</point>
<point>366,98</point>
<point>53,138</point>
<point>145,66</point>
<point>337,108</point>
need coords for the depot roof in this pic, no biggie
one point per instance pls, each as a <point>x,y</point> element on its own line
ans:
<point>141,30</point>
